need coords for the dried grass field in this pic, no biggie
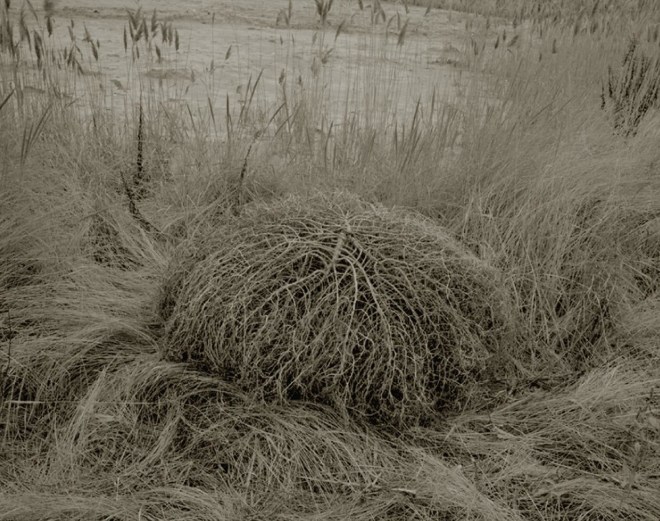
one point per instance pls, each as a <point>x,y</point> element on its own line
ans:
<point>330,260</point>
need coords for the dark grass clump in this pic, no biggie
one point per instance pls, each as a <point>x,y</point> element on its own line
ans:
<point>330,299</point>
<point>106,245</point>
<point>632,90</point>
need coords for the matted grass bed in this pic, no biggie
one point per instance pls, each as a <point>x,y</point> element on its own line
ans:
<point>377,312</point>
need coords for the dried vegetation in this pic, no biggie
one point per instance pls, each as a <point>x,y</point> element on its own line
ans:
<point>177,341</point>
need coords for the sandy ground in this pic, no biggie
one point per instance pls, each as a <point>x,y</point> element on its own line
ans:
<point>224,43</point>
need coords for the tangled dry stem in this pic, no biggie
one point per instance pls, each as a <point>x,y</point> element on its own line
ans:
<point>333,300</point>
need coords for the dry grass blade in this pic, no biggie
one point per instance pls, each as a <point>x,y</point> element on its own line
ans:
<point>4,375</point>
<point>633,90</point>
<point>139,179</point>
<point>340,28</point>
<point>38,48</point>
<point>402,34</point>
<point>31,133</point>
<point>7,98</point>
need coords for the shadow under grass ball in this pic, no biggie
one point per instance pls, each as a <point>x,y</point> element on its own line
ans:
<point>377,312</point>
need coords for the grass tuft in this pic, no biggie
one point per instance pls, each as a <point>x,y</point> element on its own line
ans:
<point>333,300</point>
<point>632,90</point>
